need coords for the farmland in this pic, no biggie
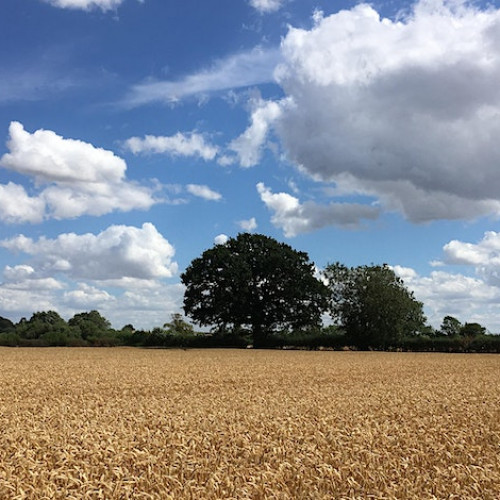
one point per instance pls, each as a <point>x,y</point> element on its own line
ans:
<point>203,424</point>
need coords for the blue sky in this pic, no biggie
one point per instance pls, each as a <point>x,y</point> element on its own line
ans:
<point>136,134</point>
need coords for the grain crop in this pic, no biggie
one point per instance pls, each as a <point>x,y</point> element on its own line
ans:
<point>127,423</point>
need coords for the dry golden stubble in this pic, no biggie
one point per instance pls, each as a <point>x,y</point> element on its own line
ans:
<point>206,424</point>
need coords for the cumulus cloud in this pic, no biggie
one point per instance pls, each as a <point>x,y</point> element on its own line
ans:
<point>24,277</point>
<point>484,256</point>
<point>296,218</point>
<point>104,5</point>
<point>87,297</point>
<point>444,293</point>
<point>248,225</point>
<point>116,253</point>
<point>406,109</point>
<point>203,192</point>
<point>236,71</point>
<point>469,298</point>
<point>80,179</point>
<point>176,145</point>
<point>19,303</point>
<point>16,206</point>
<point>49,157</point>
<point>248,146</point>
<point>264,6</point>
<point>221,239</point>
<point>146,308</point>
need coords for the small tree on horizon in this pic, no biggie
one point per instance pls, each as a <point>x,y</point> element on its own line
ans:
<point>450,326</point>
<point>372,305</point>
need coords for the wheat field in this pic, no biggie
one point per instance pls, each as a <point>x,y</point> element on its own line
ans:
<point>127,423</point>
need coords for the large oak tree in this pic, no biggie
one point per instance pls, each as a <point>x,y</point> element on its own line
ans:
<point>255,282</point>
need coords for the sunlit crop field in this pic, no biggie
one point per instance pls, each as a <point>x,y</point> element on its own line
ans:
<point>130,423</point>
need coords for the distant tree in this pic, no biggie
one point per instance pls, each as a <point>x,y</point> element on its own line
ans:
<point>42,323</point>
<point>472,330</point>
<point>253,281</point>
<point>372,305</point>
<point>90,324</point>
<point>450,326</point>
<point>178,326</point>
<point>6,325</point>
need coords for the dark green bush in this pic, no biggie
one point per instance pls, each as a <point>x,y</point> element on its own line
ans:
<point>9,339</point>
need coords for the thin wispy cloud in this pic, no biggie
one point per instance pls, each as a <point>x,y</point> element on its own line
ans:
<point>236,71</point>
<point>180,144</point>
<point>104,5</point>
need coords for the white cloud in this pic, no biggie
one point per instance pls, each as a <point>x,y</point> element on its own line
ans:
<point>221,239</point>
<point>469,298</point>
<point>296,218</point>
<point>487,251</point>
<point>80,179</point>
<point>104,5</point>
<point>248,225</point>
<point>49,157</point>
<point>484,256</point>
<point>226,160</point>
<point>407,109</point>
<point>203,192</point>
<point>443,293</point>
<point>266,5</point>
<point>17,303</point>
<point>146,308</point>
<point>16,206</point>
<point>248,146</point>
<point>98,199</point>
<point>87,297</point>
<point>116,253</point>
<point>24,277</point>
<point>175,145</point>
<point>236,71</point>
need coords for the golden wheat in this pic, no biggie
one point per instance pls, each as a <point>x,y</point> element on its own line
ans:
<point>150,424</point>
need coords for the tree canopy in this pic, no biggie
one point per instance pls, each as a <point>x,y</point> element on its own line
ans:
<point>90,324</point>
<point>450,326</point>
<point>253,281</point>
<point>372,305</point>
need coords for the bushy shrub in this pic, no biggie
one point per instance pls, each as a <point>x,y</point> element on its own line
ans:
<point>9,339</point>
<point>481,343</point>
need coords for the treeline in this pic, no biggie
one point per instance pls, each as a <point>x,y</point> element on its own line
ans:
<point>48,328</point>
<point>91,329</point>
<point>254,291</point>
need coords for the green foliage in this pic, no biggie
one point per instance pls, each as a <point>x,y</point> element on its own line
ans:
<point>9,339</point>
<point>42,323</point>
<point>177,326</point>
<point>329,337</point>
<point>472,330</point>
<point>456,343</point>
<point>253,282</point>
<point>6,325</point>
<point>450,326</point>
<point>373,305</point>
<point>90,325</point>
